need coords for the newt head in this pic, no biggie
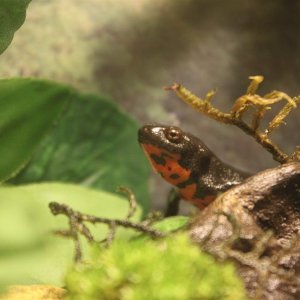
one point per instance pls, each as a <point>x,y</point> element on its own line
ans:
<point>175,155</point>
<point>184,161</point>
<point>165,147</point>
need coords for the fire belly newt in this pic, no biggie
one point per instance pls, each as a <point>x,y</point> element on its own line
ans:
<point>185,162</point>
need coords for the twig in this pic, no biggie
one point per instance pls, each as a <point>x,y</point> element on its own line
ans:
<point>152,217</point>
<point>78,217</point>
<point>131,200</point>
<point>111,235</point>
<point>77,226</point>
<point>234,117</point>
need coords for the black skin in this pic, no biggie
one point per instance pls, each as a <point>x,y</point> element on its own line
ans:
<point>211,175</point>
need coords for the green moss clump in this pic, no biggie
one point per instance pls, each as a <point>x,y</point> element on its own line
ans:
<point>172,268</point>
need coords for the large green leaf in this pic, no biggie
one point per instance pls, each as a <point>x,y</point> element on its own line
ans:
<point>28,109</point>
<point>94,144</point>
<point>29,252</point>
<point>12,16</point>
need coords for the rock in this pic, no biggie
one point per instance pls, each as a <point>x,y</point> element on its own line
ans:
<point>257,225</point>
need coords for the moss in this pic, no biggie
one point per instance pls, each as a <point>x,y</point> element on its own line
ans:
<point>171,268</point>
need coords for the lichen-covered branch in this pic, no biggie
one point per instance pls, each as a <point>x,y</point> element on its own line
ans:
<point>235,117</point>
<point>77,225</point>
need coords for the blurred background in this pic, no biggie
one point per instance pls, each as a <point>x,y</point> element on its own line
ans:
<point>129,50</point>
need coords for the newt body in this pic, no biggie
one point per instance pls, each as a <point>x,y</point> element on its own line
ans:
<point>185,162</point>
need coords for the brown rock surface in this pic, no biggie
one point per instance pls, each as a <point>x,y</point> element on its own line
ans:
<point>257,225</point>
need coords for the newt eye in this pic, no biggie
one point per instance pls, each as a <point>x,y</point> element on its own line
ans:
<point>174,135</point>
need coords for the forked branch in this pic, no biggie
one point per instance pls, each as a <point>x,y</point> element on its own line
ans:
<point>77,222</point>
<point>235,117</point>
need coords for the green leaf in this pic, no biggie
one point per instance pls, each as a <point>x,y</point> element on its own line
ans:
<point>12,16</point>
<point>95,145</point>
<point>29,252</point>
<point>28,109</point>
<point>172,223</point>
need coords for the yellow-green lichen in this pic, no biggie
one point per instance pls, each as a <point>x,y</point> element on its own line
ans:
<point>261,105</point>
